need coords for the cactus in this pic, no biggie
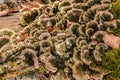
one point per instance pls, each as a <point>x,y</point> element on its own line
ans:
<point>44,36</point>
<point>5,31</point>
<point>68,37</point>
<point>6,47</point>
<point>29,17</point>
<point>28,52</point>
<point>64,3</point>
<point>76,55</point>
<point>85,55</point>
<point>46,45</point>
<point>45,58</point>
<point>60,48</point>
<point>4,40</point>
<point>78,70</point>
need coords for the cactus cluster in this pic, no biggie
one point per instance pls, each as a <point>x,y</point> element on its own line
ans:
<point>62,39</point>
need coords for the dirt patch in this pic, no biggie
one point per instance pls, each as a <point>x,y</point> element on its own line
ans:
<point>11,21</point>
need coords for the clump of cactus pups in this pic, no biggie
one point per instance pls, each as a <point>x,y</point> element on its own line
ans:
<point>64,39</point>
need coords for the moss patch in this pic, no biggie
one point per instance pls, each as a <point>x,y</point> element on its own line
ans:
<point>116,32</point>
<point>111,61</point>
<point>116,8</point>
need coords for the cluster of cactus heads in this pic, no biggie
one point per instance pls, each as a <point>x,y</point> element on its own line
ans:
<point>65,37</point>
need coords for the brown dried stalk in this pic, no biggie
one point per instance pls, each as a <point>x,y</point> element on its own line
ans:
<point>111,40</point>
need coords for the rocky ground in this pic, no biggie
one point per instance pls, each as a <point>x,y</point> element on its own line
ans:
<point>11,21</point>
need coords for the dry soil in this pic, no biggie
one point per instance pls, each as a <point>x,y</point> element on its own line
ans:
<point>12,21</point>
